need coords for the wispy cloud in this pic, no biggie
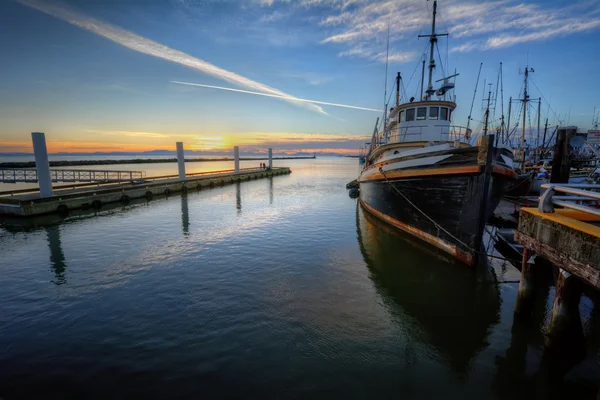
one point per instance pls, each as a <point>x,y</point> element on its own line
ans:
<point>152,48</point>
<point>308,77</point>
<point>150,135</point>
<point>360,27</point>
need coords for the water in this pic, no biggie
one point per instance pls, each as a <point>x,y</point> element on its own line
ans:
<point>276,288</point>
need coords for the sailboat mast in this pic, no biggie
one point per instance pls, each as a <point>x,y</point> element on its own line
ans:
<point>524,118</point>
<point>487,114</point>
<point>502,103</point>
<point>537,142</point>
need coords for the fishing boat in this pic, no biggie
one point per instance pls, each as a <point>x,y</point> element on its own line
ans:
<point>422,175</point>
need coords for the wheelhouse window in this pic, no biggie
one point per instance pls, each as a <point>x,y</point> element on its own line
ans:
<point>402,117</point>
<point>434,112</point>
<point>421,113</point>
<point>444,114</point>
<point>410,114</point>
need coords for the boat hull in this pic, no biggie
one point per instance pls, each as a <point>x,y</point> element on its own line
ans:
<point>521,187</point>
<point>445,203</point>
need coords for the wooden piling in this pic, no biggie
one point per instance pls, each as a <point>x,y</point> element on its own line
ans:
<point>526,295</point>
<point>561,164</point>
<point>565,330</point>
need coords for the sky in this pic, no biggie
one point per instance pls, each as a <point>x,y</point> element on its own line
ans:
<point>100,76</point>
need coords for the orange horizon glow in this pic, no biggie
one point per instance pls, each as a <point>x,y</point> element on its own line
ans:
<point>102,147</point>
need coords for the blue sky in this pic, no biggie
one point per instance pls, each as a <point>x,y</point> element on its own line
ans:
<point>96,75</point>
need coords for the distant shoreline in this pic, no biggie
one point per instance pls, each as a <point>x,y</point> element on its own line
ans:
<point>31,164</point>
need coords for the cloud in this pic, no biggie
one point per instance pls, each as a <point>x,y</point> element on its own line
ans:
<point>152,48</point>
<point>276,96</point>
<point>308,77</point>
<point>359,27</point>
<point>150,135</point>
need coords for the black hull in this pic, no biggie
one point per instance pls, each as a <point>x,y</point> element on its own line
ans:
<point>445,200</point>
<point>521,187</point>
<point>451,201</point>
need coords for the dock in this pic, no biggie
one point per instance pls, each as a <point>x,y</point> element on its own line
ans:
<point>28,203</point>
<point>568,238</point>
<point>94,189</point>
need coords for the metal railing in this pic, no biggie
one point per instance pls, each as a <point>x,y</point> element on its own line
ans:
<point>15,175</point>
<point>579,193</point>
<point>59,188</point>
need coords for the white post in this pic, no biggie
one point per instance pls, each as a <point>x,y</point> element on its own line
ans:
<point>42,165</point>
<point>270,158</point>
<point>236,158</point>
<point>180,160</point>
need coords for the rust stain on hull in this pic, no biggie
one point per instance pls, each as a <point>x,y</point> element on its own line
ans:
<point>461,255</point>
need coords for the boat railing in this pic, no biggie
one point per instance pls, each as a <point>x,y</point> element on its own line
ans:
<point>574,196</point>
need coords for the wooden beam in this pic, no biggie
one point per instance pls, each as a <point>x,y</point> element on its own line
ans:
<point>586,272</point>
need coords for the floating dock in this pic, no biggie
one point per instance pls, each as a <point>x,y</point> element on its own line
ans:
<point>29,202</point>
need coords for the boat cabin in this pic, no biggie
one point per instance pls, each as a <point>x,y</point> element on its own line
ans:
<point>419,121</point>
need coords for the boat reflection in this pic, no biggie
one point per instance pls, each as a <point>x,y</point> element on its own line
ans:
<point>453,306</point>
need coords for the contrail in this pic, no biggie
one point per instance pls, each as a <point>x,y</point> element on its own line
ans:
<point>277,96</point>
<point>152,48</point>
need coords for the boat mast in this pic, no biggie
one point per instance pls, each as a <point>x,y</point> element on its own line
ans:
<point>525,96</point>
<point>398,90</point>
<point>474,94</point>
<point>487,113</point>
<point>537,141</point>
<point>432,41</point>
<point>385,105</point>
<point>502,103</point>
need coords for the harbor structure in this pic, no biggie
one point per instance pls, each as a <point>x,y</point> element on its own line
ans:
<point>103,187</point>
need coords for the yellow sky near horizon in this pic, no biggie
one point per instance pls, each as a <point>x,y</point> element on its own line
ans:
<point>134,141</point>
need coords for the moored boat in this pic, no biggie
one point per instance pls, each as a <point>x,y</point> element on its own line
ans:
<point>422,176</point>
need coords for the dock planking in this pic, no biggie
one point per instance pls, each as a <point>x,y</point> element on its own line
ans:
<point>28,203</point>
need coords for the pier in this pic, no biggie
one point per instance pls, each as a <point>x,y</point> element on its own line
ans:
<point>97,188</point>
<point>569,239</point>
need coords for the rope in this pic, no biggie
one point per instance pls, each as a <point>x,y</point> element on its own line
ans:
<point>438,226</point>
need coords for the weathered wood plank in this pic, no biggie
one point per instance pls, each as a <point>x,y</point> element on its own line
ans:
<point>561,259</point>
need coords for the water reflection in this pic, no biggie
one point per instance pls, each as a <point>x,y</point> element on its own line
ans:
<point>453,308</point>
<point>270,190</point>
<point>185,214</point>
<point>238,197</point>
<point>57,257</point>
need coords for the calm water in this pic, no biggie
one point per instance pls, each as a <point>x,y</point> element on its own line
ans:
<point>277,288</point>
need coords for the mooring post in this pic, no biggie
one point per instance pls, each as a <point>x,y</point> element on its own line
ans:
<point>236,158</point>
<point>561,163</point>
<point>180,160</point>
<point>565,328</point>
<point>526,294</point>
<point>42,165</point>
<point>270,158</point>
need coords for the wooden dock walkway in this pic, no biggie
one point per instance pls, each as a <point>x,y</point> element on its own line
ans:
<point>29,202</point>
